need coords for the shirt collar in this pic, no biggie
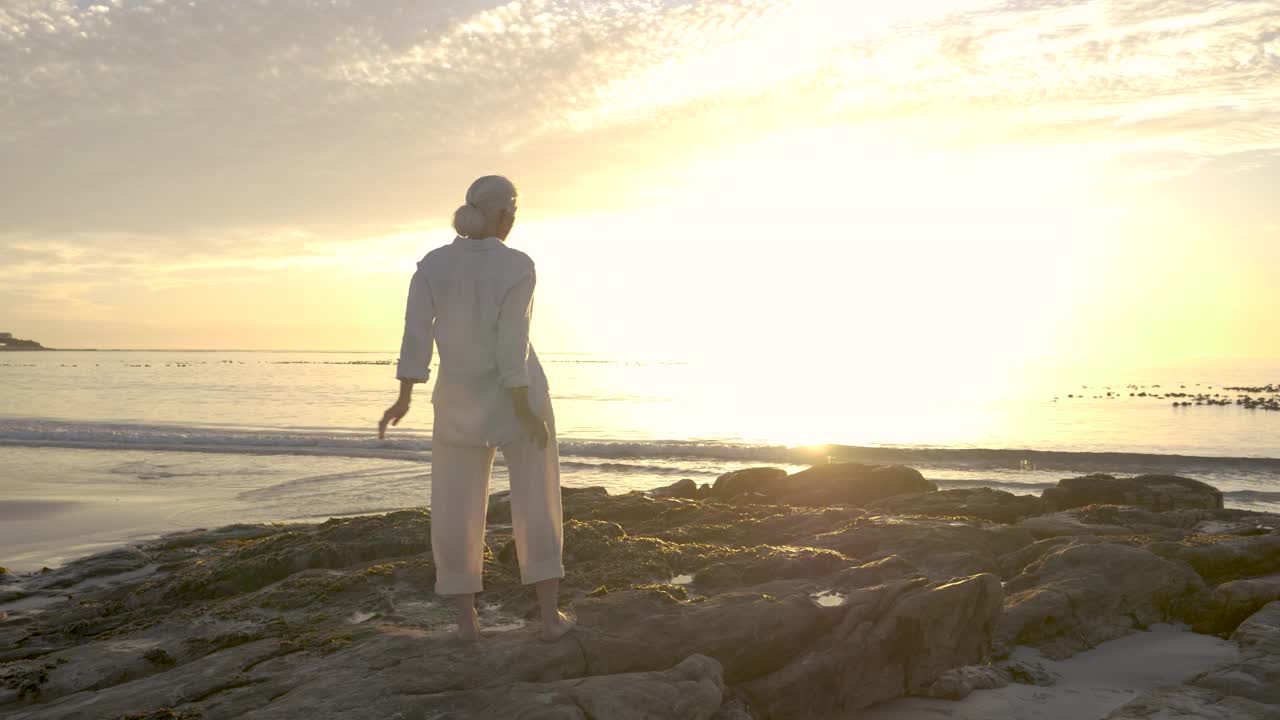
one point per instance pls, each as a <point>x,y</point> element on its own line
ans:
<point>486,243</point>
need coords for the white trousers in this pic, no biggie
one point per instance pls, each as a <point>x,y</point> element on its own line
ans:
<point>460,501</point>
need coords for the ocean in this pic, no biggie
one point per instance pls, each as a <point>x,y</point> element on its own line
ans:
<point>103,447</point>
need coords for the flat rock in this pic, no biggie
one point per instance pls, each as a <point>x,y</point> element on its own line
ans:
<point>848,483</point>
<point>1080,595</point>
<point>692,689</point>
<point>983,503</point>
<point>685,488</point>
<point>941,549</point>
<point>748,480</point>
<point>1013,563</point>
<point>894,639</point>
<point>1260,633</point>
<point>1172,525</point>
<point>1231,602</point>
<point>1220,559</point>
<point>1257,676</point>
<point>1153,492</point>
<point>112,562</point>
<point>1186,703</point>
<point>959,683</point>
<point>750,633</point>
<point>1069,523</point>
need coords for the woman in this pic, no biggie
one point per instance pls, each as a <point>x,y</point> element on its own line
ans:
<point>474,298</point>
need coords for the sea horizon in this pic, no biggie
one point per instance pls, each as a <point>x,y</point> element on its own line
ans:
<point>80,438</point>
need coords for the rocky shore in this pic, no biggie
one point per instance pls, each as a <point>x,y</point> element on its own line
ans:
<point>764,596</point>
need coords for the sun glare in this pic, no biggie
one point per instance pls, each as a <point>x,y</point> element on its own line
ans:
<point>854,263</point>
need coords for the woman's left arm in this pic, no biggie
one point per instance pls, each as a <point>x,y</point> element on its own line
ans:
<point>416,344</point>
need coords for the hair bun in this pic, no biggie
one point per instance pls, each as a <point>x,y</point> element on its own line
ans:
<point>468,221</point>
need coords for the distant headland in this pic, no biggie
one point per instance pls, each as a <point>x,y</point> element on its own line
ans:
<point>9,342</point>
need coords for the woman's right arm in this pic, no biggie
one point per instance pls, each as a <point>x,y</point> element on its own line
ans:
<point>514,318</point>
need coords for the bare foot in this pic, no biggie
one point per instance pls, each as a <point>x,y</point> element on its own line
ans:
<point>564,623</point>
<point>469,627</point>
<point>468,631</point>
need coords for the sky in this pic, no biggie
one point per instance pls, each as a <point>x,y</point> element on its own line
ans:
<point>821,181</point>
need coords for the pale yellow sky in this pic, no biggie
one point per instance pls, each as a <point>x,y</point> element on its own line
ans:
<point>998,181</point>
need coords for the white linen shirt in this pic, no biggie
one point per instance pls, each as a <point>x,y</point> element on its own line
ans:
<point>473,299</point>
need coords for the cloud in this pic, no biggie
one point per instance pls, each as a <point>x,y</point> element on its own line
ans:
<point>144,139</point>
<point>1197,75</point>
<point>154,115</point>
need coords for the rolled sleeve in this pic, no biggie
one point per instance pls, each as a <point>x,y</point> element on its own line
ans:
<point>419,321</point>
<point>513,332</point>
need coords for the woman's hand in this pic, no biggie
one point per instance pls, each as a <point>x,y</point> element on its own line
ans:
<point>396,413</point>
<point>393,415</point>
<point>535,427</point>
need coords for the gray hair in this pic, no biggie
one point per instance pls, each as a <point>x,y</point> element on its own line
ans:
<point>485,199</point>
